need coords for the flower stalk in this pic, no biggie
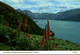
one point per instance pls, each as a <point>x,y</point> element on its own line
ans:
<point>47,37</point>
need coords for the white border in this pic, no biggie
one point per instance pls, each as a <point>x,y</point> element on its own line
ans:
<point>39,52</point>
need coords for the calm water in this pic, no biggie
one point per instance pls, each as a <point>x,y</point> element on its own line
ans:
<point>63,29</point>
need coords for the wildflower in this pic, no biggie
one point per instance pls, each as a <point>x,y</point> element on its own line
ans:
<point>54,46</point>
<point>49,38</point>
<point>42,42</point>
<point>20,25</point>
<point>44,34</point>
<point>25,25</point>
<point>48,31</point>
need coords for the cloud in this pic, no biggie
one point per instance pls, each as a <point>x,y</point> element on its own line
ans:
<point>22,6</point>
<point>13,1</point>
<point>42,3</point>
<point>17,1</point>
<point>32,0</point>
<point>34,11</point>
<point>53,5</point>
<point>69,4</point>
<point>65,0</point>
<point>1,0</point>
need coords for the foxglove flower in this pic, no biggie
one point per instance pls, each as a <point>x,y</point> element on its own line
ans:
<point>54,46</point>
<point>42,42</point>
<point>48,29</point>
<point>20,25</point>
<point>49,38</point>
<point>25,24</point>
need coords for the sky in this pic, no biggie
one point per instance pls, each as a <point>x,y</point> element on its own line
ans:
<point>43,6</point>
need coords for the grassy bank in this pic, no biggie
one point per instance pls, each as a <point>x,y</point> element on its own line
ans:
<point>9,40</point>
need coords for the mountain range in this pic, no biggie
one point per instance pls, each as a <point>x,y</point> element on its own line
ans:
<point>69,15</point>
<point>36,15</point>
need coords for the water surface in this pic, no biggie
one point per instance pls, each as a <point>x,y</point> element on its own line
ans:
<point>66,30</point>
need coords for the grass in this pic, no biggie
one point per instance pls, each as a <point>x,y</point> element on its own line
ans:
<point>32,43</point>
<point>4,47</point>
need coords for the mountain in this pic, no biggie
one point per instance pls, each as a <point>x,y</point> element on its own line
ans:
<point>8,14</point>
<point>37,15</point>
<point>70,15</point>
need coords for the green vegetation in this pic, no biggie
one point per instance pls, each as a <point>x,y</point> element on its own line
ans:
<point>4,46</point>
<point>10,41</point>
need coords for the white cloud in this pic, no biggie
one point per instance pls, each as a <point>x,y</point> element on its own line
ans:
<point>1,0</point>
<point>53,6</point>
<point>65,0</point>
<point>30,6</point>
<point>32,0</point>
<point>71,5</point>
<point>42,3</point>
<point>23,6</point>
<point>17,1</point>
<point>50,4</point>
<point>39,3</point>
<point>34,11</point>
<point>13,1</point>
<point>68,5</point>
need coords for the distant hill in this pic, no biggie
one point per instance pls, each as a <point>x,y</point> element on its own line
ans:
<point>70,15</point>
<point>37,15</point>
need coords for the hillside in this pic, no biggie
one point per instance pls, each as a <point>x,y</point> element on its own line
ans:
<point>9,40</point>
<point>7,13</point>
